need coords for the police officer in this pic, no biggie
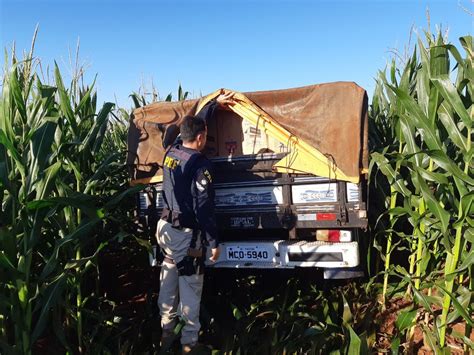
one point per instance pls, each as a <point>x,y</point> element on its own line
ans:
<point>187,225</point>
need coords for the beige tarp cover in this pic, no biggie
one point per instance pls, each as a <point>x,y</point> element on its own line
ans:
<point>331,118</point>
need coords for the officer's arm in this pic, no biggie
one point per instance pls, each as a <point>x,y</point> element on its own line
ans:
<point>203,193</point>
<point>209,110</point>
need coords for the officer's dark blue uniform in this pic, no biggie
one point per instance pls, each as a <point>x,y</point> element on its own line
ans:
<point>189,212</point>
<point>187,187</point>
<point>188,190</point>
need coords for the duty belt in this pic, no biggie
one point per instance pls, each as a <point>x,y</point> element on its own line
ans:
<point>168,260</point>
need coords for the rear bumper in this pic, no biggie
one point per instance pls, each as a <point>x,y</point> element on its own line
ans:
<point>291,254</point>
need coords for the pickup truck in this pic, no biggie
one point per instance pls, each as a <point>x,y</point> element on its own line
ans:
<point>290,174</point>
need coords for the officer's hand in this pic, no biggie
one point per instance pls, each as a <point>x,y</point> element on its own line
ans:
<point>215,254</point>
<point>225,100</point>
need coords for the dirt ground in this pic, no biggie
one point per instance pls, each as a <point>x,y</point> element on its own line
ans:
<point>131,285</point>
<point>419,344</point>
<point>135,289</point>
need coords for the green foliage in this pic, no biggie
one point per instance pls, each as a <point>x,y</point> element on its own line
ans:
<point>62,181</point>
<point>284,312</point>
<point>140,100</point>
<point>421,132</point>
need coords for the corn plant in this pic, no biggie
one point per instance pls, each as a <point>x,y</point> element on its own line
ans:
<point>140,99</point>
<point>285,313</point>
<point>429,107</point>
<point>59,187</point>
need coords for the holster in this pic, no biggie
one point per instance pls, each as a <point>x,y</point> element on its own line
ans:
<point>195,253</point>
<point>193,263</point>
<point>190,266</point>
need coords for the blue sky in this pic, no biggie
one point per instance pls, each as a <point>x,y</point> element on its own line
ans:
<point>241,45</point>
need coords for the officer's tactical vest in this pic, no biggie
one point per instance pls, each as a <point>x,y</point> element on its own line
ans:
<point>179,167</point>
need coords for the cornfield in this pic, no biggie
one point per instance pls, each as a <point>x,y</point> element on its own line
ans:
<point>422,168</point>
<point>66,202</point>
<point>61,184</point>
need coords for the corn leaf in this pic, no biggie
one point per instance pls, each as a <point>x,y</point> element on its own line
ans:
<point>409,138</point>
<point>464,300</point>
<point>84,101</point>
<point>354,341</point>
<point>64,101</point>
<point>17,93</point>
<point>458,306</point>
<point>450,94</point>
<point>466,208</point>
<point>431,340</point>
<point>102,118</point>
<point>10,148</point>
<point>5,262</point>
<point>405,319</point>
<point>41,142</point>
<point>395,180</point>
<point>445,116</point>
<point>419,119</point>
<point>433,205</point>
<point>449,166</point>
<point>51,296</point>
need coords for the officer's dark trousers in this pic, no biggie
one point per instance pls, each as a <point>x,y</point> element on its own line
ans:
<point>179,295</point>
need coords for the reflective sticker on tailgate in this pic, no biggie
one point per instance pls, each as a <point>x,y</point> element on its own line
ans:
<point>314,193</point>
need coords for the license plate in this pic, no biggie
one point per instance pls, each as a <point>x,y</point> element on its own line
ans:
<point>248,253</point>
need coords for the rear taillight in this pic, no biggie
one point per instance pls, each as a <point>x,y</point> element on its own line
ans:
<point>333,235</point>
